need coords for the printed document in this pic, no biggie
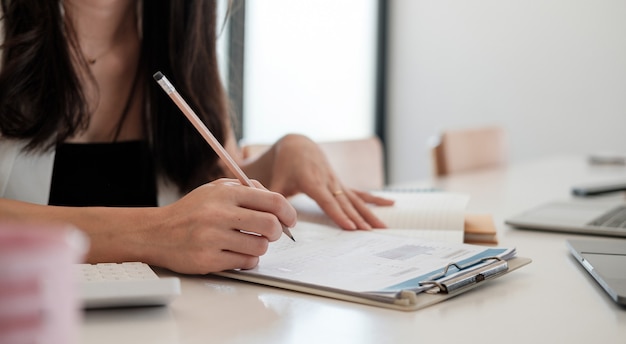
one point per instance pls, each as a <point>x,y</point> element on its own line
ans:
<point>363,261</point>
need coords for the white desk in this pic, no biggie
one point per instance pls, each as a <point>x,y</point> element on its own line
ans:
<point>552,300</point>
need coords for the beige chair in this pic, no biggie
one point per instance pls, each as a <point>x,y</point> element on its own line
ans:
<point>463,150</point>
<point>359,163</point>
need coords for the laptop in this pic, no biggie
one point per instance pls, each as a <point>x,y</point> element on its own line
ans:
<point>605,260</point>
<point>585,216</point>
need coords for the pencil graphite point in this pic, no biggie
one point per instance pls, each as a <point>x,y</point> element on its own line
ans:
<point>288,233</point>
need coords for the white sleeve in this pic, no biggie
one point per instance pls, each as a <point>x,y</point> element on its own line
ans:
<point>167,191</point>
<point>25,176</point>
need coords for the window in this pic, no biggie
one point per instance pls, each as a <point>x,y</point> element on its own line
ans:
<point>309,67</point>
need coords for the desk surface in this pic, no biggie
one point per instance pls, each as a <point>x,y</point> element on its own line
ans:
<point>552,300</point>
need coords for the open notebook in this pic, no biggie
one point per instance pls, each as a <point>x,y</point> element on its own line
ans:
<point>430,215</point>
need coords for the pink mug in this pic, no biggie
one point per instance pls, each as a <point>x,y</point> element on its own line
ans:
<point>38,296</point>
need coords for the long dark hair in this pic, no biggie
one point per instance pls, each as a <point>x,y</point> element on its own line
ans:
<point>41,97</point>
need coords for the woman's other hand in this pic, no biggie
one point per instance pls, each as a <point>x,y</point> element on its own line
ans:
<point>299,165</point>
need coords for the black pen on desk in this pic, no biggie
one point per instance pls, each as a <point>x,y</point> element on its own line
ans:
<point>206,133</point>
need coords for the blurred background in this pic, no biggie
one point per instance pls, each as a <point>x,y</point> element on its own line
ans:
<point>552,73</point>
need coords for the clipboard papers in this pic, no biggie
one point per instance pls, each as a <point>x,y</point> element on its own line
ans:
<point>370,267</point>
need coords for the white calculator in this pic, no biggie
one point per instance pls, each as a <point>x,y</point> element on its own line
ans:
<point>132,284</point>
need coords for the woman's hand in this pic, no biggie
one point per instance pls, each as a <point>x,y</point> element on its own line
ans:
<point>218,226</point>
<point>296,164</point>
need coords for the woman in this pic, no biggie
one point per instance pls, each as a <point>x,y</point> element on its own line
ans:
<point>87,137</point>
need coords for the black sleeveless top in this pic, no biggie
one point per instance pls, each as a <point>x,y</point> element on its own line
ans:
<point>103,174</point>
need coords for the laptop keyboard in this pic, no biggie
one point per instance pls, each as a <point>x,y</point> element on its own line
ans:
<point>615,218</point>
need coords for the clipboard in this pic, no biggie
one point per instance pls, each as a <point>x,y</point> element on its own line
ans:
<point>444,282</point>
<point>406,300</point>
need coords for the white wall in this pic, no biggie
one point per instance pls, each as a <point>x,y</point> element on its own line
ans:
<point>551,72</point>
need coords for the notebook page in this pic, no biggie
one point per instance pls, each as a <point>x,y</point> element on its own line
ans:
<point>424,210</point>
<point>430,215</point>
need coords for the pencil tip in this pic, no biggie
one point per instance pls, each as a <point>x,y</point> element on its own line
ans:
<point>288,233</point>
<point>157,76</point>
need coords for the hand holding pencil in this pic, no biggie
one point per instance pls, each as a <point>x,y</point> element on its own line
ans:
<point>207,135</point>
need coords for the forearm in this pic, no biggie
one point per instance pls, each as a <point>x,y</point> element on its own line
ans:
<point>115,234</point>
<point>205,231</point>
<point>260,167</point>
<point>263,166</point>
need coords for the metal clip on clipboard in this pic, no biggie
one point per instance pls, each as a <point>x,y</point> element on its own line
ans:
<point>469,274</point>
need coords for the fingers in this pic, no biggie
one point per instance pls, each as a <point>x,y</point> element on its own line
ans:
<point>257,223</point>
<point>218,226</point>
<point>268,203</point>
<point>245,246</point>
<point>365,211</point>
<point>349,204</point>
<point>244,253</point>
<point>263,200</point>
<point>349,208</point>
<point>373,199</point>
<point>232,260</point>
<point>200,248</point>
